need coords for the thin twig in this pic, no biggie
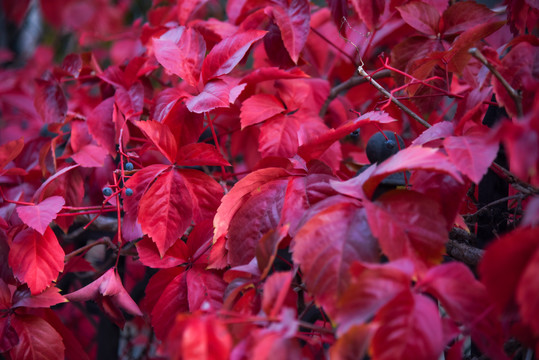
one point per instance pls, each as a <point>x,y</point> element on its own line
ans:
<point>517,98</point>
<point>458,247</point>
<point>104,240</point>
<point>473,217</point>
<point>403,107</point>
<point>347,85</point>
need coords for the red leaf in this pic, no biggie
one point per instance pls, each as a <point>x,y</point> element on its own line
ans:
<point>279,136</point>
<point>464,15</point>
<point>276,293</point>
<point>353,344</point>
<point>36,259</point>
<point>110,294</point>
<point>371,287</point>
<point>471,154</point>
<point>102,127</point>
<point>90,156</point>
<point>465,304</point>
<point>149,254</point>
<point>216,94</point>
<point>8,335</point>
<point>9,151</point>
<point>228,53</point>
<point>48,298</point>
<point>172,302</point>
<point>161,136</point>
<point>37,339</point>
<point>410,328</point>
<point>187,126</point>
<point>200,154</point>
<point>166,210</point>
<point>205,193</point>
<point>408,224</point>
<point>184,57</point>
<point>293,18</point>
<point>50,101</point>
<point>258,108</point>
<point>507,270</point>
<point>421,16</point>
<point>440,130</point>
<point>369,11</point>
<point>327,245</point>
<point>206,289</point>
<point>130,101</point>
<point>199,337</point>
<point>40,216</point>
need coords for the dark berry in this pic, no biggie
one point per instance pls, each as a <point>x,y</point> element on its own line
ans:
<point>354,133</point>
<point>107,191</point>
<point>128,192</point>
<point>128,166</point>
<point>380,147</point>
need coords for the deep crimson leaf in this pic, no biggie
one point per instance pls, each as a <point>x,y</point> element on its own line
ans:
<point>40,216</point>
<point>200,154</point>
<point>206,289</point>
<point>48,298</point>
<point>38,195</point>
<point>258,108</point>
<point>464,15</point>
<point>266,249</point>
<point>90,156</point>
<point>471,154</point>
<point>50,101</point>
<point>410,328</point>
<point>172,302</point>
<point>326,246</point>
<point>228,53</point>
<point>130,100</point>
<point>353,344</point>
<point>279,136</point>
<point>110,294</point>
<point>36,259</point>
<point>272,73</point>
<point>293,18</point>
<point>149,254</point>
<point>369,11</point>
<point>500,272</point>
<point>161,136</point>
<point>188,126</point>
<point>157,285</point>
<point>187,8</point>
<point>276,291</point>
<point>9,151</point>
<point>8,335</point>
<point>465,304</point>
<point>72,64</point>
<point>408,224</point>
<point>73,348</point>
<point>339,8</point>
<point>184,57</point>
<point>5,296</point>
<point>421,16</point>
<point>166,210</point>
<point>528,294</point>
<point>371,287</point>
<point>102,127</point>
<point>37,339</point>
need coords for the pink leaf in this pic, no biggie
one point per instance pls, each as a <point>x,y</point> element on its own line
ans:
<point>90,156</point>
<point>161,136</point>
<point>369,11</point>
<point>216,94</point>
<point>36,259</point>
<point>102,127</point>
<point>40,216</point>
<point>421,16</point>
<point>228,53</point>
<point>292,18</point>
<point>258,108</point>
<point>471,154</point>
<point>409,324</point>
<point>50,101</point>
<point>183,58</point>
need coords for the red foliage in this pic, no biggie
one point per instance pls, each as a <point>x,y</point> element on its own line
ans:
<point>216,146</point>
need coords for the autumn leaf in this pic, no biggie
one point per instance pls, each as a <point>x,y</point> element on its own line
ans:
<point>40,216</point>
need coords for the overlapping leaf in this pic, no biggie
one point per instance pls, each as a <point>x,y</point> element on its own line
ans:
<point>39,216</point>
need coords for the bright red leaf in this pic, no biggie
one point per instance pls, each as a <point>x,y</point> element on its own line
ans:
<point>258,108</point>
<point>161,136</point>
<point>149,254</point>
<point>279,136</point>
<point>40,216</point>
<point>228,53</point>
<point>36,259</point>
<point>200,154</point>
<point>293,19</point>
